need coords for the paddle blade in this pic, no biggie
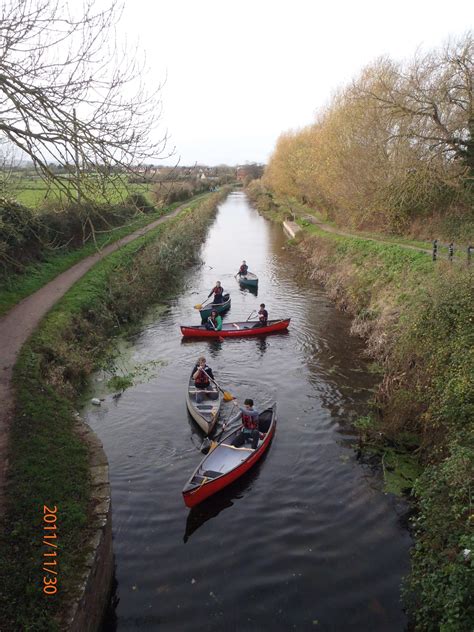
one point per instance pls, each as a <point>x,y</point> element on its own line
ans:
<point>213,445</point>
<point>198,306</point>
<point>206,445</point>
<point>228,397</point>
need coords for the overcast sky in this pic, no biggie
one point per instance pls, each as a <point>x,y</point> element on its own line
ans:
<point>241,73</point>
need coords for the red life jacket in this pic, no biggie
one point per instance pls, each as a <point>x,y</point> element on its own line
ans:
<point>218,290</point>
<point>249,422</point>
<point>202,378</point>
<point>243,269</point>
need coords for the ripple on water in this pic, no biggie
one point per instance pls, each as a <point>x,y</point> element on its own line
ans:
<point>306,536</point>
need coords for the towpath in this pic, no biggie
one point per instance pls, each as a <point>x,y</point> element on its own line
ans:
<point>18,324</point>
<point>442,248</point>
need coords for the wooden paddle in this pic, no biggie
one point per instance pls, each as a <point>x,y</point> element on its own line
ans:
<point>228,397</point>
<point>208,445</point>
<point>215,442</point>
<point>200,305</point>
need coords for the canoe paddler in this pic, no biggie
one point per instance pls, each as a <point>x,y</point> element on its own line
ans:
<point>201,375</point>
<point>214,322</point>
<point>218,292</point>
<point>249,431</point>
<point>243,269</point>
<point>262,317</point>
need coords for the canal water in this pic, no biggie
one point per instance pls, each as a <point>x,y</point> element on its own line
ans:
<point>307,540</point>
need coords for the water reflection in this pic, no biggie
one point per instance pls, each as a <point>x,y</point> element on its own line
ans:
<point>249,289</point>
<point>224,499</point>
<point>325,541</point>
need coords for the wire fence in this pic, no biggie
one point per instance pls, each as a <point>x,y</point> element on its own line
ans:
<point>438,249</point>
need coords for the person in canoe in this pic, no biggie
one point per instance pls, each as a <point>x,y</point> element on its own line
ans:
<point>262,317</point>
<point>243,269</point>
<point>218,292</point>
<point>214,322</point>
<point>249,431</point>
<point>202,375</point>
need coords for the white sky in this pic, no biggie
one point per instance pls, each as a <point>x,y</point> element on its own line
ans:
<point>240,73</point>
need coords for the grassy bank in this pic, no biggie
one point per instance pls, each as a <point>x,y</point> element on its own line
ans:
<point>50,262</point>
<point>48,463</point>
<point>418,323</point>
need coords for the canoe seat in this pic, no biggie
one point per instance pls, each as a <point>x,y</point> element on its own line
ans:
<point>200,478</point>
<point>227,445</point>
<point>212,474</point>
<point>265,420</point>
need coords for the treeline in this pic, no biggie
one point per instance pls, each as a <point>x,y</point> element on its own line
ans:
<point>393,151</point>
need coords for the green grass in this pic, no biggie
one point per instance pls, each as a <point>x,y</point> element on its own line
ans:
<point>459,254</point>
<point>34,192</point>
<point>299,211</point>
<point>16,287</point>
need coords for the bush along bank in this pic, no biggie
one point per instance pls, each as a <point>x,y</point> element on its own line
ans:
<point>48,462</point>
<point>418,321</point>
<point>37,246</point>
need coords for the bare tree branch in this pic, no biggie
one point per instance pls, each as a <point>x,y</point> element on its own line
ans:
<point>55,61</point>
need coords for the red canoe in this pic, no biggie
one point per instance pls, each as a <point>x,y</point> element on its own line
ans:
<point>233,330</point>
<point>225,463</point>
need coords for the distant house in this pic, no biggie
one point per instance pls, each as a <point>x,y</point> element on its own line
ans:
<point>251,171</point>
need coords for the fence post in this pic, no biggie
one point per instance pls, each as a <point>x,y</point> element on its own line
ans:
<point>451,251</point>
<point>435,249</point>
<point>469,254</point>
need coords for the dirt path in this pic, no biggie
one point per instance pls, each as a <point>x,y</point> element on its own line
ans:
<point>330,229</point>
<point>442,247</point>
<point>18,324</point>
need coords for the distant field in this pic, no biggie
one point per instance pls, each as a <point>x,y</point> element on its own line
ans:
<point>33,192</point>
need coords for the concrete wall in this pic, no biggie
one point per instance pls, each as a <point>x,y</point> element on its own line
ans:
<point>291,228</point>
<point>92,595</point>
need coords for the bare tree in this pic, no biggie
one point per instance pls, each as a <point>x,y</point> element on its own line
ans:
<point>69,94</point>
<point>430,100</point>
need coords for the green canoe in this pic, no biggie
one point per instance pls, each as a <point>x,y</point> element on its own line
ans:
<point>219,307</point>
<point>250,279</point>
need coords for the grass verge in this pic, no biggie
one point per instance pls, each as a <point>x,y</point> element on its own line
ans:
<point>35,275</point>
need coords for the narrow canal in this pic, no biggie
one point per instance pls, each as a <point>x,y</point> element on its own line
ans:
<point>307,539</point>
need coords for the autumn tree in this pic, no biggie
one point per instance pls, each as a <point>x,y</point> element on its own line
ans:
<point>390,148</point>
<point>431,98</point>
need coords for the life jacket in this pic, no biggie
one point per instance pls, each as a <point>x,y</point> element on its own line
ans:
<point>243,269</point>
<point>249,422</point>
<point>202,378</point>
<point>218,290</point>
<point>263,316</point>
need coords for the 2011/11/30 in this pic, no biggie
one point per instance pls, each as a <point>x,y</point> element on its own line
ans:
<point>49,583</point>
